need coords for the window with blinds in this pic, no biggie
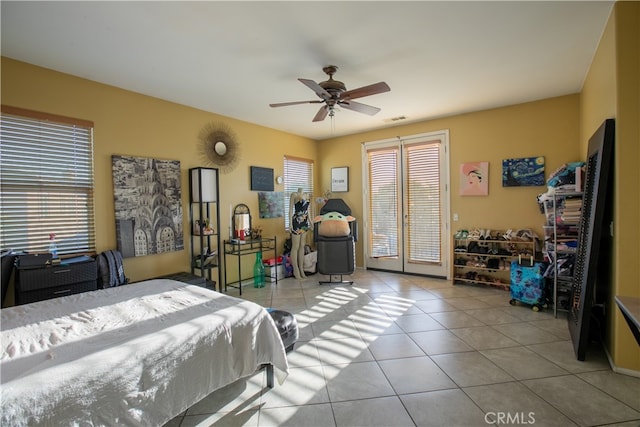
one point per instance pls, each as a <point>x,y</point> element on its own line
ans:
<point>46,180</point>
<point>423,199</point>
<point>420,192</point>
<point>298,173</point>
<point>383,202</point>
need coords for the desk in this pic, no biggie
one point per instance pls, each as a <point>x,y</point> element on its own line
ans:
<point>630,308</point>
<point>237,249</point>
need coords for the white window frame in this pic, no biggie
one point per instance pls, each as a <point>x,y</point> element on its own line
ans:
<point>298,173</point>
<point>47,182</point>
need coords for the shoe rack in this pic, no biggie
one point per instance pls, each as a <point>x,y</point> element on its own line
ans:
<point>484,257</point>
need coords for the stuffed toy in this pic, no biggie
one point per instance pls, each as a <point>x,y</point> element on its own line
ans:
<point>333,224</point>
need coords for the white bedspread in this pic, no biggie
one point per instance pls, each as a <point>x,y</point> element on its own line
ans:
<point>134,355</point>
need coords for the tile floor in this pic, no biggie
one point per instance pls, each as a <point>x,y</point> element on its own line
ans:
<point>401,350</point>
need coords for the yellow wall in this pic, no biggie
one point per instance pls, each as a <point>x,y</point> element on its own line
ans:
<point>627,230</point>
<point>546,128</point>
<point>127,123</point>
<point>612,89</point>
<point>131,124</point>
<point>598,96</point>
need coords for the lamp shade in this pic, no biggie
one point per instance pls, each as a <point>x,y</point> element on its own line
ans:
<point>204,185</point>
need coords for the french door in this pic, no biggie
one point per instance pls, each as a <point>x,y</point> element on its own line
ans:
<point>406,204</point>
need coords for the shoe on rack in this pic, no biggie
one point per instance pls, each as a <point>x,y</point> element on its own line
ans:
<point>524,235</point>
<point>461,234</point>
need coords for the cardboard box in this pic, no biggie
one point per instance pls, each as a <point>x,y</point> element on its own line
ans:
<point>271,271</point>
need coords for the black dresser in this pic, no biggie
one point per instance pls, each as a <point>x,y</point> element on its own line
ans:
<point>69,277</point>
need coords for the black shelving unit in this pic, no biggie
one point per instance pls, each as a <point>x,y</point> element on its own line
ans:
<point>204,220</point>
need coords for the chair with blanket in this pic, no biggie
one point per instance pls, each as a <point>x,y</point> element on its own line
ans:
<point>335,232</point>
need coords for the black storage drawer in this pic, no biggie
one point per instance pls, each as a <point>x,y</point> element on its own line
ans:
<point>55,292</point>
<point>36,284</point>
<point>30,279</point>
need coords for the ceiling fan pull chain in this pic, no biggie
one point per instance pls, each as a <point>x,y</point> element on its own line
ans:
<point>333,124</point>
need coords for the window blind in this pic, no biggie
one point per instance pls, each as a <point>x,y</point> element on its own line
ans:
<point>423,199</point>
<point>298,173</point>
<point>383,202</point>
<point>46,180</point>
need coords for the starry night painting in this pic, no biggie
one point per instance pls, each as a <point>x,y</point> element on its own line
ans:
<point>527,171</point>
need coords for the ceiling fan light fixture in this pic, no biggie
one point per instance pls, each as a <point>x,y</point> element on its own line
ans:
<point>334,87</point>
<point>334,93</point>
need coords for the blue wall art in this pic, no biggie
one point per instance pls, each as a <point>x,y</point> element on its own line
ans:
<point>523,172</point>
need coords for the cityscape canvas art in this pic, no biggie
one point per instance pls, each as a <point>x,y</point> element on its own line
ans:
<point>148,205</point>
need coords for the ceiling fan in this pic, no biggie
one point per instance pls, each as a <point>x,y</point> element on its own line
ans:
<point>334,93</point>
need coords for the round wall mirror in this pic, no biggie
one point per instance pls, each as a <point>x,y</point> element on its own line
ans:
<point>219,146</point>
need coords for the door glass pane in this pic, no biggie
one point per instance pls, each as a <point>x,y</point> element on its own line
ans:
<point>423,203</point>
<point>383,203</point>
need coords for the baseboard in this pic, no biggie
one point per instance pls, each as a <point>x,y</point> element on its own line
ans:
<point>617,369</point>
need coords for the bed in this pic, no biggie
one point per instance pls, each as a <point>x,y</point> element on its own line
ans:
<point>133,355</point>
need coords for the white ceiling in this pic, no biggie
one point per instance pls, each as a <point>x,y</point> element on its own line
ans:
<point>235,58</point>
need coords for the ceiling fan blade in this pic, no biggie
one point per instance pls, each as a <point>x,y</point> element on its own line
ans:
<point>316,88</point>
<point>321,114</point>
<point>359,107</point>
<point>284,104</point>
<point>366,91</point>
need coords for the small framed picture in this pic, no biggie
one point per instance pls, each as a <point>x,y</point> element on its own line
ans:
<point>261,179</point>
<point>340,179</point>
<point>474,179</point>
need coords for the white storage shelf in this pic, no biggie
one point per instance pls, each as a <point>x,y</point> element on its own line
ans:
<point>562,213</point>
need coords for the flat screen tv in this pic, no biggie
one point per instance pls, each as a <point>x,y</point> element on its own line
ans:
<point>598,177</point>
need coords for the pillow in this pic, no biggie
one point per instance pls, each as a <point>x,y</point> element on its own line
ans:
<point>333,224</point>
